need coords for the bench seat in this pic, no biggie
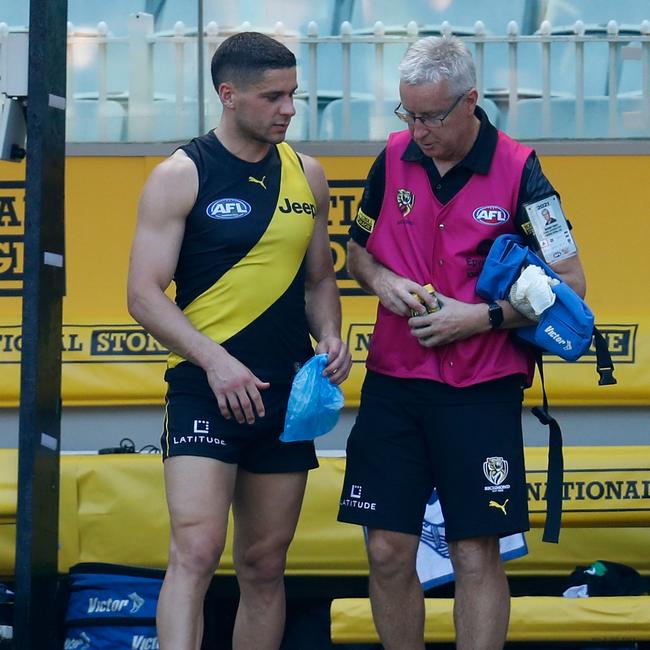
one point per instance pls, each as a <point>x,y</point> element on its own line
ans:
<point>532,619</point>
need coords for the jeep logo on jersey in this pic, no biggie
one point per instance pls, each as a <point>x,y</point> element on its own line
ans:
<point>228,209</point>
<point>491,215</point>
<point>298,208</point>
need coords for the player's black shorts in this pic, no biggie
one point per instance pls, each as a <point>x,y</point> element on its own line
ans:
<point>412,435</point>
<point>194,426</point>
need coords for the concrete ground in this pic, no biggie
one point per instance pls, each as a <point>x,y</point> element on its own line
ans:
<point>89,429</point>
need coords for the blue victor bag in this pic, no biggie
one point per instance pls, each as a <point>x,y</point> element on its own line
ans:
<point>107,596</point>
<point>112,607</point>
<point>566,328</point>
<point>113,637</point>
<point>503,264</point>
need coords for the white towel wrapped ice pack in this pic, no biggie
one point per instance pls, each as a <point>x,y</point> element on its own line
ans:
<point>531,294</point>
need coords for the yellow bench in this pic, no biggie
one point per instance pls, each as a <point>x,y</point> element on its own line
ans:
<point>532,619</point>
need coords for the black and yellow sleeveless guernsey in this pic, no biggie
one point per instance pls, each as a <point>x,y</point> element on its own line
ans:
<point>240,274</point>
<point>240,281</point>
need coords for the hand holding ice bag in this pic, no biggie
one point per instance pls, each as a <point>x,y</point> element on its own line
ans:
<point>314,403</point>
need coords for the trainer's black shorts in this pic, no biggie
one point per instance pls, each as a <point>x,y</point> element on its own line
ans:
<point>194,426</point>
<point>412,435</point>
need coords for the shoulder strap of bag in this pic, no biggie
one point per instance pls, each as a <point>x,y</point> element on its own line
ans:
<point>604,363</point>
<point>555,468</point>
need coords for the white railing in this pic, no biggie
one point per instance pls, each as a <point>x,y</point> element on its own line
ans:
<point>143,87</point>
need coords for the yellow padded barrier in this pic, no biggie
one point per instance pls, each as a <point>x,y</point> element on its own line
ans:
<point>532,619</point>
<point>8,480</point>
<point>603,486</point>
<point>112,509</point>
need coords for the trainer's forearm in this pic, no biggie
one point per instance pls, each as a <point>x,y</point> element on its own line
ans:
<point>363,267</point>
<point>512,319</point>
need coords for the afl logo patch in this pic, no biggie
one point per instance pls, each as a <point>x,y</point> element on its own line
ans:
<point>228,209</point>
<point>491,215</point>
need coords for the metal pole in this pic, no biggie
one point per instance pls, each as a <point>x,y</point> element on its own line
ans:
<point>36,620</point>
<point>200,62</point>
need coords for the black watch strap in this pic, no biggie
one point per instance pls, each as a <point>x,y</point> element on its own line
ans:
<point>495,314</point>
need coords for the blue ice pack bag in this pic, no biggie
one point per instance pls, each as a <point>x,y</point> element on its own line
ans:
<point>314,403</point>
<point>566,328</point>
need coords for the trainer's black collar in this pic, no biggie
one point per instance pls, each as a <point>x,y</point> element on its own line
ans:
<point>479,158</point>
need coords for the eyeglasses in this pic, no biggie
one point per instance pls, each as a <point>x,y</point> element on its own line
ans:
<point>429,121</point>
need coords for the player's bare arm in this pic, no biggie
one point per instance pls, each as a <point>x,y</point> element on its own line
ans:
<point>322,301</point>
<point>166,200</point>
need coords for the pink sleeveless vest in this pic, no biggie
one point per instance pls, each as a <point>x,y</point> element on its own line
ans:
<point>419,238</point>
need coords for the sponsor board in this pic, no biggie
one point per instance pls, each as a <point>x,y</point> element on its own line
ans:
<point>600,490</point>
<point>12,237</point>
<point>344,201</point>
<point>621,340</point>
<point>127,343</point>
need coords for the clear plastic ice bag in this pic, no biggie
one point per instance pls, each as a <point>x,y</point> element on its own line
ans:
<point>314,403</point>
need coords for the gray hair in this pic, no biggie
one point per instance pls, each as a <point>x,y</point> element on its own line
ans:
<point>432,59</point>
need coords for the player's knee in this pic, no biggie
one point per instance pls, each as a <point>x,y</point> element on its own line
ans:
<point>263,563</point>
<point>196,552</point>
<point>390,554</point>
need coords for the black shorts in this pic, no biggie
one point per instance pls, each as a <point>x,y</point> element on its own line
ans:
<point>194,426</point>
<point>412,435</point>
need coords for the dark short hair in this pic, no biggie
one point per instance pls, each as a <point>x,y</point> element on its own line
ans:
<point>243,58</point>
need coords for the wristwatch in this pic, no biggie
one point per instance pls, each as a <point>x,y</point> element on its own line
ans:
<point>495,314</point>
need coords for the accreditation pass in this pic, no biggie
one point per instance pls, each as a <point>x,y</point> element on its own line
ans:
<point>551,229</point>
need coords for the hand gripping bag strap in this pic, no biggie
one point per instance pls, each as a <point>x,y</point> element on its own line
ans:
<point>555,467</point>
